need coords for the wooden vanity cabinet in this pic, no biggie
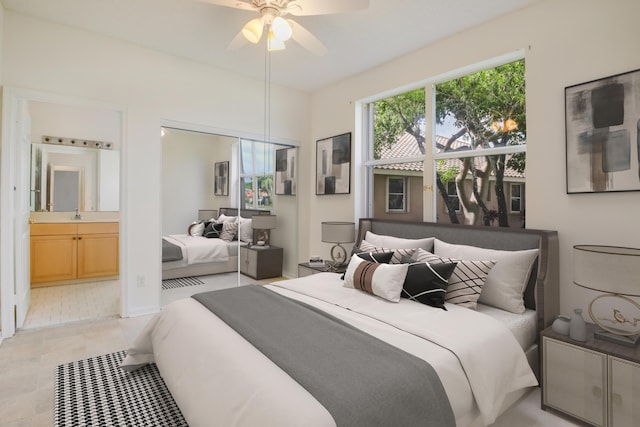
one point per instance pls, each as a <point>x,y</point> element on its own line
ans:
<point>73,251</point>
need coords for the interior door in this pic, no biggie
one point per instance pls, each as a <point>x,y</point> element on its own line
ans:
<point>22,194</point>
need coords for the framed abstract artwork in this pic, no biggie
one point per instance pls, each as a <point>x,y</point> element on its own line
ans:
<point>286,183</point>
<point>221,179</point>
<point>602,119</point>
<point>333,165</point>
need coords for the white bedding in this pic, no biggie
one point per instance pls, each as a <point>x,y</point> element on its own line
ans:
<point>522,326</point>
<point>198,249</point>
<point>479,361</point>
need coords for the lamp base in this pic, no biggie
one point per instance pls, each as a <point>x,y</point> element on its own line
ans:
<point>626,340</point>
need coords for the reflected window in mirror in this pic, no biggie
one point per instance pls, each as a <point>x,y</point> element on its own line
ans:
<point>257,174</point>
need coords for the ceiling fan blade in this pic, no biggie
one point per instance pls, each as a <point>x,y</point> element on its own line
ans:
<point>238,41</point>
<point>324,7</point>
<point>306,39</point>
<point>236,4</point>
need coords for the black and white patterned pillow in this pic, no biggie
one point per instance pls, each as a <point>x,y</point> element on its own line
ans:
<point>397,253</point>
<point>384,257</point>
<point>466,281</point>
<point>427,282</point>
<point>212,230</point>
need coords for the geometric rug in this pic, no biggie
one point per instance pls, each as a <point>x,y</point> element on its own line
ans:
<point>96,392</point>
<point>181,282</point>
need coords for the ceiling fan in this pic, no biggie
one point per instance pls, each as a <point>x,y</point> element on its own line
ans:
<point>279,29</point>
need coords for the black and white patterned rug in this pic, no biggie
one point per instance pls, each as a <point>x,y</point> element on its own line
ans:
<point>96,392</point>
<point>181,282</point>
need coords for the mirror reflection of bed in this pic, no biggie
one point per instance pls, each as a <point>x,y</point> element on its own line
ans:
<point>189,195</point>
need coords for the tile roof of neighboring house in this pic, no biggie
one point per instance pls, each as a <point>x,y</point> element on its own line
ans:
<point>406,146</point>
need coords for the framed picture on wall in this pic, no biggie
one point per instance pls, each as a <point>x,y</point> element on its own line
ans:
<point>221,179</point>
<point>286,182</point>
<point>602,120</point>
<point>333,165</point>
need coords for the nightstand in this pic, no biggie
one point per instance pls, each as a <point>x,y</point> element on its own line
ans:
<point>304,269</point>
<point>261,263</point>
<point>595,381</point>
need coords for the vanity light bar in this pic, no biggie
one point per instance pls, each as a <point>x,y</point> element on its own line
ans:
<point>57,140</point>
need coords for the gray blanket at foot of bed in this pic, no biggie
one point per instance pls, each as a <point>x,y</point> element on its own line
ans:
<point>170,252</point>
<point>359,379</point>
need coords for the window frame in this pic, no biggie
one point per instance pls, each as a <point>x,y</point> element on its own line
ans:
<point>520,198</point>
<point>254,176</point>
<point>405,194</point>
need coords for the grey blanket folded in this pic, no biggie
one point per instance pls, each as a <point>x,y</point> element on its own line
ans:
<point>359,379</point>
<point>170,252</point>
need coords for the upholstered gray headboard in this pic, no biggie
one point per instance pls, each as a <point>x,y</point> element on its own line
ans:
<point>244,213</point>
<point>542,292</point>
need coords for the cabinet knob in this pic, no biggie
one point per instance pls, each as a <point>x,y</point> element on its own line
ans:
<point>616,399</point>
<point>597,391</point>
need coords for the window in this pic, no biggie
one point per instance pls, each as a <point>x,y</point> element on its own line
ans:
<point>452,193</point>
<point>516,198</point>
<point>478,140</point>
<point>396,194</point>
<point>256,174</point>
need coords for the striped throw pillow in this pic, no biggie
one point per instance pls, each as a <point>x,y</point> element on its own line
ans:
<point>383,280</point>
<point>466,281</point>
<point>397,253</point>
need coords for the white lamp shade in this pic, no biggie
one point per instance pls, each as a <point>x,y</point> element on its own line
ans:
<point>263,222</point>
<point>281,29</point>
<point>607,269</point>
<point>338,232</point>
<point>273,43</point>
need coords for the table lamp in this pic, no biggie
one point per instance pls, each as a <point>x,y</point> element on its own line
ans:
<point>616,272</point>
<point>262,226</point>
<point>338,232</point>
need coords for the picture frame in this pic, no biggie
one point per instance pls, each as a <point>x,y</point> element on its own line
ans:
<point>333,165</point>
<point>603,134</point>
<point>286,171</point>
<point>221,179</point>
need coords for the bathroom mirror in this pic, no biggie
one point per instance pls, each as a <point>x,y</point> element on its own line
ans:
<point>64,178</point>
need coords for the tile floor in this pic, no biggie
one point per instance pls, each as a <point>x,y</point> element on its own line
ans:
<point>28,360</point>
<point>55,305</point>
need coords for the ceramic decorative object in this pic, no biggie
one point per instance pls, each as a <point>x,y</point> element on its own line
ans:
<point>561,325</point>
<point>577,327</point>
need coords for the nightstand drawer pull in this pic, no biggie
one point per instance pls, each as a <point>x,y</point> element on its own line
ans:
<point>597,391</point>
<point>616,399</point>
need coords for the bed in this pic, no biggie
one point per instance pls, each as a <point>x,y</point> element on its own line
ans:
<point>484,358</point>
<point>185,256</point>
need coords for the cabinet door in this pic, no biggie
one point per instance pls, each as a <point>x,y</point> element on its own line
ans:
<point>53,258</point>
<point>249,262</point>
<point>97,255</point>
<point>624,393</point>
<point>574,381</point>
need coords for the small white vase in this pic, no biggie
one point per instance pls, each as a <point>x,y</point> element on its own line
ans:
<point>577,327</point>
<point>561,325</point>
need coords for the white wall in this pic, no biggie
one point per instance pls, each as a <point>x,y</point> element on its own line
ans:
<point>151,87</point>
<point>187,176</point>
<point>565,42</point>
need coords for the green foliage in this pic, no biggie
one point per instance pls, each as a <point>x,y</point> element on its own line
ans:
<point>395,115</point>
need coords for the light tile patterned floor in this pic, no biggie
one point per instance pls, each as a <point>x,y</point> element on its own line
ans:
<point>55,305</point>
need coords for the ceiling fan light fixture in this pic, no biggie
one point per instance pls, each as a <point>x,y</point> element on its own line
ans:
<point>252,30</point>
<point>273,43</point>
<point>281,29</point>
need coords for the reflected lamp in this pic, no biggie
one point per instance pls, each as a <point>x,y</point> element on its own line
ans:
<point>262,226</point>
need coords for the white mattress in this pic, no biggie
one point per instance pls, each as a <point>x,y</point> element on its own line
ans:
<point>231,251</point>
<point>522,326</point>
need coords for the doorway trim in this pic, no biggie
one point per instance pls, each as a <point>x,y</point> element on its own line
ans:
<point>9,172</point>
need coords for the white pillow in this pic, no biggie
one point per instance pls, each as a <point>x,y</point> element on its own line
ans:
<point>383,280</point>
<point>196,228</point>
<point>222,218</point>
<point>398,242</point>
<point>246,232</point>
<point>506,281</point>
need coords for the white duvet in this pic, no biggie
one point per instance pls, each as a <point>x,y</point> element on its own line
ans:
<point>217,378</point>
<point>198,249</point>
